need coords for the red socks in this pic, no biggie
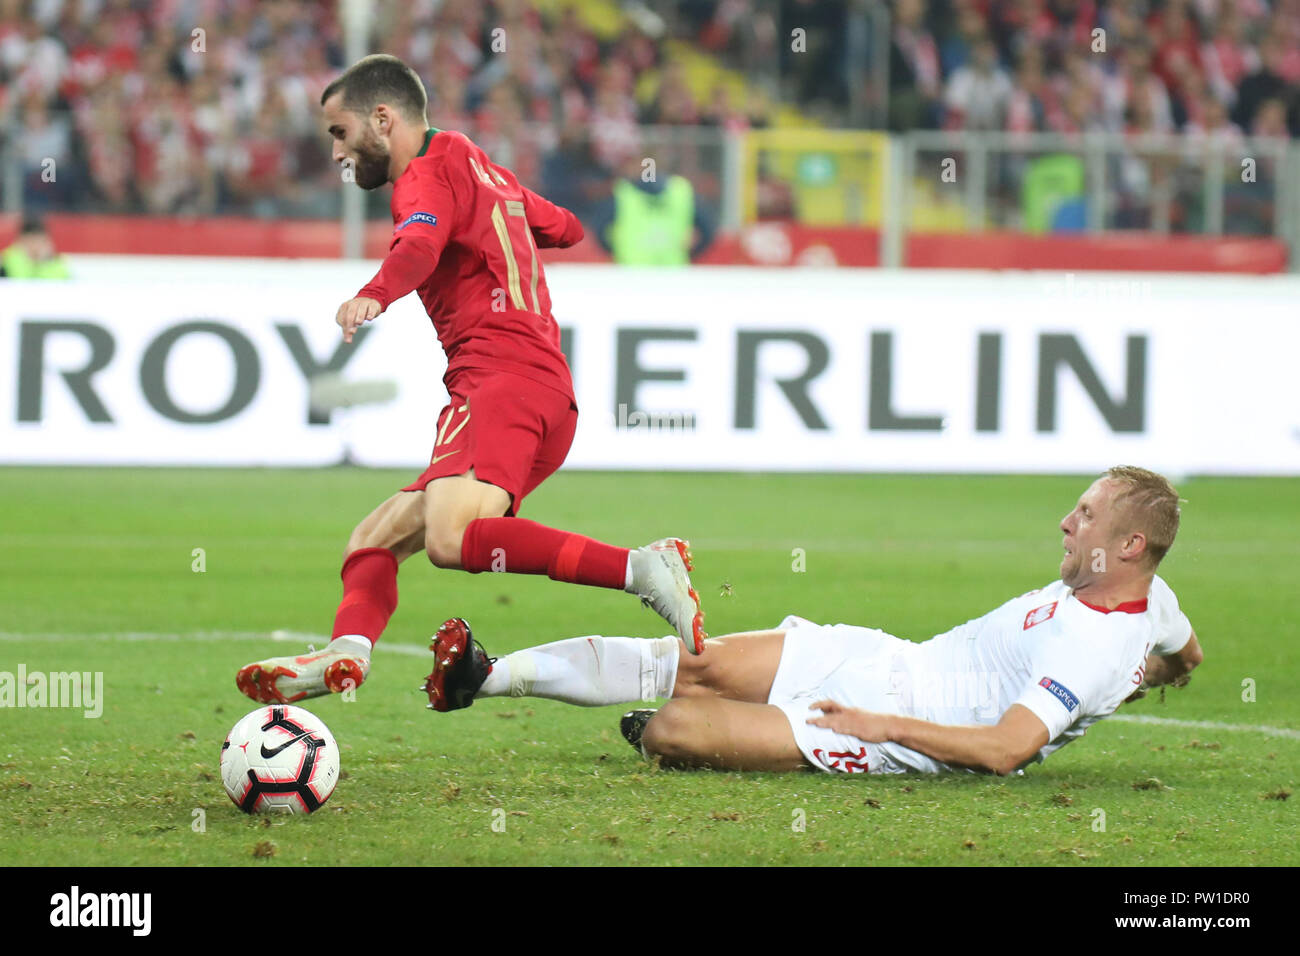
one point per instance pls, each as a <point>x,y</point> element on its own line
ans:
<point>520,546</point>
<point>490,544</point>
<point>369,593</point>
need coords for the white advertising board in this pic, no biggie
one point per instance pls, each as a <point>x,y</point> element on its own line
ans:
<point>209,362</point>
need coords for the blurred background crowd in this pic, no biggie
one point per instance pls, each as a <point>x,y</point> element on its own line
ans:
<point>210,106</point>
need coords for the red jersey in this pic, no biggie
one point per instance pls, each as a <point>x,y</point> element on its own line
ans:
<point>466,236</point>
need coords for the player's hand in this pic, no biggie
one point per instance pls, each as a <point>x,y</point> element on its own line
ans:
<point>866,726</point>
<point>1182,680</point>
<point>354,313</point>
<point>1138,694</point>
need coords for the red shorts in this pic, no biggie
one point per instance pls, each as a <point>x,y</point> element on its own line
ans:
<point>512,431</point>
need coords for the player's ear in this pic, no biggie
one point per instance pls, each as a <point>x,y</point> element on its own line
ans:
<point>1135,546</point>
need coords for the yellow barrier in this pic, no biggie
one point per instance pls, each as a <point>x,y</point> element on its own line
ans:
<point>837,177</point>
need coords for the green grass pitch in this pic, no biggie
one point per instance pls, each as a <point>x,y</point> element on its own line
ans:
<point>96,574</point>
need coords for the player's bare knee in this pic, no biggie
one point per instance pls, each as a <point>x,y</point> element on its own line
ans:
<point>667,733</point>
<point>357,540</point>
<point>442,545</point>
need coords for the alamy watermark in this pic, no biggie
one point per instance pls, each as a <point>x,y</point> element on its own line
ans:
<point>74,689</point>
<point>1103,290</point>
<point>653,421</point>
<point>75,908</point>
<point>976,691</point>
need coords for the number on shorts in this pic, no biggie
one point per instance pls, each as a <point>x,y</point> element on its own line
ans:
<point>443,437</point>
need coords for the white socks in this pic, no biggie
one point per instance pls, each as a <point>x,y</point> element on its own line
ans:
<point>355,644</point>
<point>588,671</point>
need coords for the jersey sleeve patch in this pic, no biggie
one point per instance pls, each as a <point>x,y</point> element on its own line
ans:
<point>425,217</point>
<point>1061,693</point>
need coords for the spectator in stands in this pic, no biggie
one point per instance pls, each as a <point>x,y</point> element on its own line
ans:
<point>720,112</point>
<point>44,146</point>
<point>261,173</point>
<point>673,104</point>
<point>1187,93</point>
<point>137,121</point>
<point>1264,84</point>
<point>35,61</point>
<point>1285,27</point>
<point>978,94</point>
<point>570,176</point>
<point>1209,131</point>
<point>32,255</point>
<point>1270,120</point>
<point>613,126</point>
<point>448,96</point>
<point>958,40</point>
<point>578,47</point>
<point>815,73</point>
<point>103,130</point>
<point>1078,89</point>
<point>1228,57</point>
<point>1031,97</point>
<point>652,219</point>
<point>1079,113</point>
<point>915,78</point>
<point>1212,125</point>
<point>1177,44</point>
<point>500,126</point>
<point>1137,91</point>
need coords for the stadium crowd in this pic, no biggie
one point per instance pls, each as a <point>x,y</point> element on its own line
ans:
<point>209,106</point>
<point>202,106</point>
<point>1206,68</point>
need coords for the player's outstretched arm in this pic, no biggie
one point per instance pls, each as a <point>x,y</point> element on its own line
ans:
<point>999,749</point>
<point>409,262</point>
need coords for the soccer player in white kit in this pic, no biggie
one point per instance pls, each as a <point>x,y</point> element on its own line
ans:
<point>991,695</point>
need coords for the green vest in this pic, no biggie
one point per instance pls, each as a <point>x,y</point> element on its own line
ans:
<point>652,229</point>
<point>1050,181</point>
<point>17,264</point>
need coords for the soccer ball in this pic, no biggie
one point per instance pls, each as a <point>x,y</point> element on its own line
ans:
<point>279,759</point>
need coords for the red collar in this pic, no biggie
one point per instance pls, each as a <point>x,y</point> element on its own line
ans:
<point>1128,607</point>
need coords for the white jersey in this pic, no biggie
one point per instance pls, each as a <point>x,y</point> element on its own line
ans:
<point>1069,662</point>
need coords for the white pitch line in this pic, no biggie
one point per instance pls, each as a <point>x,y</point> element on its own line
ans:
<point>411,650</point>
<point>1208,725</point>
<point>320,640</point>
<point>299,637</point>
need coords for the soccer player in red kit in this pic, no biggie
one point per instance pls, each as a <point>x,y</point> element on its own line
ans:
<point>465,237</point>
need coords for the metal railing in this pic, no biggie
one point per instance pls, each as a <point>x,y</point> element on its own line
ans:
<point>920,181</point>
<point>1037,183</point>
<point>1164,184</point>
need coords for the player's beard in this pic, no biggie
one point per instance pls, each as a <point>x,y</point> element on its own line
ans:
<point>372,162</point>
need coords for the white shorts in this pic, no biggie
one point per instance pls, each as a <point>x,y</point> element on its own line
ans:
<point>854,666</point>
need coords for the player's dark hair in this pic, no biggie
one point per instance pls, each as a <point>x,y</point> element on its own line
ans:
<point>380,78</point>
<point>1150,503</point>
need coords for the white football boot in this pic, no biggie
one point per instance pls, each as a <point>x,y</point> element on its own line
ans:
<point>661,581</point>
<point>285,680</point>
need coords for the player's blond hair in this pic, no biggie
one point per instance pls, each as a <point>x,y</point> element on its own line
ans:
<point>1147,502</point>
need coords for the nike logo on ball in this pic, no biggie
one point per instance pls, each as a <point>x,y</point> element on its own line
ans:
<point>268,754</point>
